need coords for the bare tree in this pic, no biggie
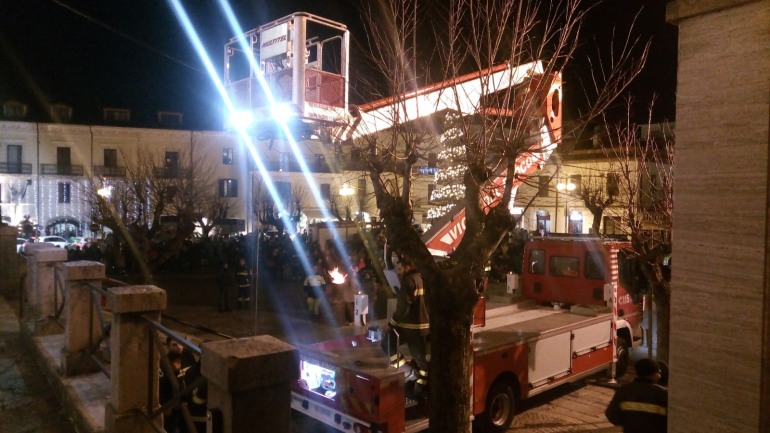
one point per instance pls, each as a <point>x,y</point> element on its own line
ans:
<point>499,126</point>
<point>269,212</point>
<point>643,158</point>
<point>598,193</point>
<point>136,204</point>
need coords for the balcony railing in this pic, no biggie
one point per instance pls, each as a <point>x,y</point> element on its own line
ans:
<point>61,170</point>
<point>107,171</point>
<point>293,166</point>
<point>172,173</point>
<point>15,168</point>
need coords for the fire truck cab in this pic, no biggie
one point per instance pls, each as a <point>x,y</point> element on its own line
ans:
<point>588,271</point>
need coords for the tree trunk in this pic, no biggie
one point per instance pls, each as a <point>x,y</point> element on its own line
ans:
<point>449,383</point>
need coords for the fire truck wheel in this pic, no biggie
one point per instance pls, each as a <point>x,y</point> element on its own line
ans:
<point>499,410</point>
<point>623,357</point>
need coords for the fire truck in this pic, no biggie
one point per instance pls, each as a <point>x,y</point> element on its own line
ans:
<point>576,312</point>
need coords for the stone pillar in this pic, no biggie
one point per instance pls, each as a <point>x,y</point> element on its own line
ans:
<point>41,284</point>
<point>135,361</point>
<point>249,382</point>
<point>720,295</point>
<point>82,325</point>
<point>9,271</point>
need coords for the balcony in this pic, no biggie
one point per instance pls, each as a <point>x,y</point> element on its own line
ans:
<point>15,168</point>
<point>61,170</point>
<point>172,173</point>
<point>107,171</point>
<point>294,167</point>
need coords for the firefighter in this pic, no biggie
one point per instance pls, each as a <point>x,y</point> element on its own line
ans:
<point>243,279</point>
<point>642,405</point>
<point>409,325</point>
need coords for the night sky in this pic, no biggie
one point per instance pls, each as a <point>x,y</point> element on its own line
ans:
<point>119,53</point>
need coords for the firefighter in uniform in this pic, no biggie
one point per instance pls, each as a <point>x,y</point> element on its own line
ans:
<point>409,325</point>
<point>642,405</point>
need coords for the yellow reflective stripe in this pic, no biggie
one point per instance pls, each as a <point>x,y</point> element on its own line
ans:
<point>411,325</point>
<point>422,373</point>
<point>643,407</point>
<point>419,292</point>
<point>422,381</point>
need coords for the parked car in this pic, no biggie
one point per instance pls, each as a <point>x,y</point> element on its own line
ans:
<point>20,244</point>
<point>57,241</point>
<point>76,241</point>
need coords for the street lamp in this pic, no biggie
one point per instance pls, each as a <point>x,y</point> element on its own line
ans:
<point>346,190</point>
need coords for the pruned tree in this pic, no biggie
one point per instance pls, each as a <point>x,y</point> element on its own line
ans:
<point>497,122</point>
<point>277,211</point>
<point>598,193</point>
<point>133,207</point>
<point>643,158</point>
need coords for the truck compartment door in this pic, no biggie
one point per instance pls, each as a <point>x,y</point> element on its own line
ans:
<point>549,358</point>
<point>591,337</point>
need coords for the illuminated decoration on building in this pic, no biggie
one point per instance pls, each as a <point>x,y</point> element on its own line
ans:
<point>451,168</point>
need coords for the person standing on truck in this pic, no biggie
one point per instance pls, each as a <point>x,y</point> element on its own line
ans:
<point>642,405</point>
<point>410,325</point>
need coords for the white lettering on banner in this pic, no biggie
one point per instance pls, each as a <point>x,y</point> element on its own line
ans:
<point>454,231</point>
<point>274,41</point>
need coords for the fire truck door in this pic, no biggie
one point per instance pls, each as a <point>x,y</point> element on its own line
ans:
<point>549,357</point>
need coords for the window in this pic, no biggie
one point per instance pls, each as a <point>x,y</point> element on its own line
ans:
<point>284,191</point>
<point>320,162</point>
<point>14,109</point>
<point>355,155</point>
<point>564,266</point>
<point>60,112</point>
<point>63,161</point>
<point>14,158</point>
<point>537,262</point>
<point>171,192</point>
<point>361,190</point>
<point>169,118</point>
<point>543,183</point>
<point>611,226</point>
<point>432,160</point>
<point>171,164</point>
<point>228,187</point>
<point>116,114</point>
<point>595,265</point>
<point>629,273</point>
<point>326,191</point>
<point>227,155</point>
<point>111,158</point>
<point>64,195</point>
<point>613,180</point>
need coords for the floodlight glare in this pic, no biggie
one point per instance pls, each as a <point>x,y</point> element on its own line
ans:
<point>283,112</point>
<point>242,119</point>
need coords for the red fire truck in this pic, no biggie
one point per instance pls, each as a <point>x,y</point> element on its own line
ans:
<point>577,311</point>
